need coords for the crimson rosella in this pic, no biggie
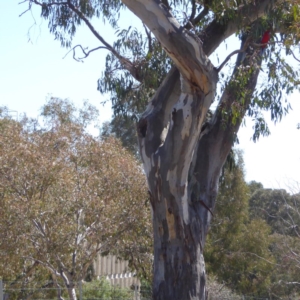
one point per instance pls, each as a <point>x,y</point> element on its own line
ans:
<point>264,41</point>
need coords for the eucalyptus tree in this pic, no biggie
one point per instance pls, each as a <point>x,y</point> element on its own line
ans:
<point>163,67</point>
<point>280,210</point>
<point>66,196</point>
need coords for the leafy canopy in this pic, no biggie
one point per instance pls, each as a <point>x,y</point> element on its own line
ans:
<point>66,195</point>
<point>137,64</point>
<point>237,249</point>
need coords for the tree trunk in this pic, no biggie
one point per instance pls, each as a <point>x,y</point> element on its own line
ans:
<point>179,270</point>
<point>182,153</point>
<point>72,292</point>
<point>69,284</point>
<point>180,216</point>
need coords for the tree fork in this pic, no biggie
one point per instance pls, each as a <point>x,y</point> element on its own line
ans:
<point>183,166</point>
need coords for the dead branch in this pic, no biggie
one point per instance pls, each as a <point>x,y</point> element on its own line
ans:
<point>294,55</point>
<point>193,11</point>
<point>28,9</point>
<point>86,53</point>
<point>202,14</point>
<point>246,44</point>
<point>148,33</point>
<point>228,57</point>
<point>49,4</point>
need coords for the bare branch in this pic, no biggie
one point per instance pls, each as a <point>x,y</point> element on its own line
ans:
<point>127,64</point>
<point>148,33</point>
<point>49,4</point>
<point>193,11</point>
<point>202,14</point>
<point>244,48</point>
<point>294,55</point>
<point>254,254</point>
<point>86,53</point>
<point>227,59</point>
<point>166,3</point>
<point>292,282</point>
<point>24,12</point>
<point>124,61</point>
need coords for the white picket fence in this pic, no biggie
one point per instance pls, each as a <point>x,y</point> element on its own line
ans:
<point>116,271</point>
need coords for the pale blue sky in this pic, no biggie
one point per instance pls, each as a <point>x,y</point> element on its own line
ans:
<point>30,70</point>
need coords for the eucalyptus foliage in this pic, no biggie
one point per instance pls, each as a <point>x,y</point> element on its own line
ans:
<point>162,67</point>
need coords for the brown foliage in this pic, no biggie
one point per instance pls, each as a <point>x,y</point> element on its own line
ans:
<point>66,195</point>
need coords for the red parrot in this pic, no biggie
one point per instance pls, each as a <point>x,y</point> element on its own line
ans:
<point>264,41</point>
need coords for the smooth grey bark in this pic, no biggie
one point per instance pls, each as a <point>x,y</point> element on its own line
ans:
<point>181,158</point>
<point>69,284</point>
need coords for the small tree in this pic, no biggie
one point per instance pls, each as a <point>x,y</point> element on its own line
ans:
<point>280,210</point>
<point>65,194</point>
<point>237,250</point>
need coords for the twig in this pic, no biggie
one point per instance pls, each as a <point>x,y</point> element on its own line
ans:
<point>291,282</point>
<point>86,54</point>
<point>204,204</point>
<point>245,46</point>
<point>228,57</point>
<point>258,256</point>
<point>203,13</point>
<point>127,64</point>
<point>24,12</point>
<point>124,61</point>
<point>49,4</point>
<point>149,39</point>
<point>294,55</point>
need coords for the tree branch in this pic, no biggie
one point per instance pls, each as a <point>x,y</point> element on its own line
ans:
<point>28,9</point>
<point>244,46</point>
<point>216,32</point>
<point>156,117</point>
<point>290,50</point>
<point>86,54</point>
<point>48,4</point>
<point>127,64</point>
<point>148,33</point>
<point>183,47</point>
<point>193,11</point>
<point>202,14</point>
<point>227,59</point>
<point>215,144</point>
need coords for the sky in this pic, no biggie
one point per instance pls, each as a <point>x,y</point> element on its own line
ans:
<point>33,67</point>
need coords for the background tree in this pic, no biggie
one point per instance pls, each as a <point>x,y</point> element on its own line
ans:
<point>65,195</point>
<point>237,249</point>
<point>277,207</point>
<point>122,127</point>
<point>280,210</point>
<point>182,153</point>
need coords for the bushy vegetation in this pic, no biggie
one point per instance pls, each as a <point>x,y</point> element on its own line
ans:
<point>67,196</point>
<point>252,247</point>
<point>102,290</point>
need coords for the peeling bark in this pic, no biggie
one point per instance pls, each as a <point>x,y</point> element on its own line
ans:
<point>183,162</point>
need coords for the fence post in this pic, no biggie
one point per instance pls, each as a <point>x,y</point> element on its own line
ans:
<point>1,289</point>
<point>136,292</point>
<point>80,290</point>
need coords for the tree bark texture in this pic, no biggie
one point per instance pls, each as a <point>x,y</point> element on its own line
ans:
<point>182,155</point>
